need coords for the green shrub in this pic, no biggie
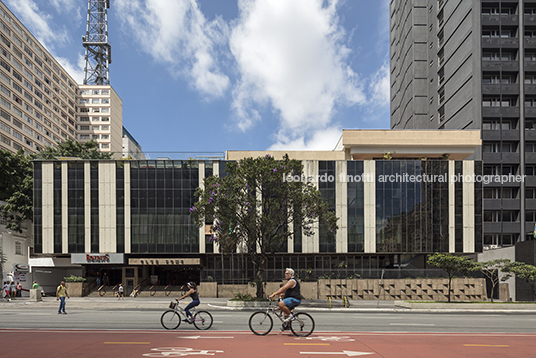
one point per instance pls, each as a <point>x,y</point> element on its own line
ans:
<point>246,297</point>
<point>74,278</point>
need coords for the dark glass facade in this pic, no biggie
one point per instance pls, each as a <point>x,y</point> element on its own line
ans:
<point>326,185</point>
<point>162,192</point>
<point>412,217</point>
<point>356,207</point>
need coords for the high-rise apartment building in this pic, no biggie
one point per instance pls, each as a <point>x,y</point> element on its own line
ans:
<point>458,64</point>
<point>41,104</point>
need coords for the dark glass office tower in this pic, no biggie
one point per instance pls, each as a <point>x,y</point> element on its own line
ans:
<point>458,64</point>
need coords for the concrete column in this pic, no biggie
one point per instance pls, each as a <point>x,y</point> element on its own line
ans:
<point>369,188</point>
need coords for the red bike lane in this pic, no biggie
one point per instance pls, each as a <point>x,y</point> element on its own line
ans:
<point>45,343</point>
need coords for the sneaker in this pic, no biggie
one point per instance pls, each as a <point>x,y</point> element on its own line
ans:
<point>288,319</point>
<point>64,312</point>
<point>59,312</point>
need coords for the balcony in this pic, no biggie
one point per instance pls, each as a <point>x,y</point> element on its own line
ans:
<point>509,112</point>
<point>530,181</point>
<point>530,158</point>
<point>530,204</point>
<point>492,204</point>
<point>530,112</point>
<point>494,42</point>
<point>530,134</point>
<point>511,204</point>
<point>501,88</point>
<point>530,66</point>
<point>530,89</point>
<point>491,135</point>
<point>530,42</point>
<point>529,20</point>
<point>510,134</point>
<point>491,158</point>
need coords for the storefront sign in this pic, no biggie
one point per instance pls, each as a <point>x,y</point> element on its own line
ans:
<point>97,258</point>
<point>21,267</point>
<point>164,261</point>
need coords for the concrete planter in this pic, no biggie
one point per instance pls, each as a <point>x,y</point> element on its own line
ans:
<point>75,289</point>
<point>247,303</point>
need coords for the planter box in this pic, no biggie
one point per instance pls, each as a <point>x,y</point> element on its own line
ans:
<point>247,303</point>
<point>75,289</point>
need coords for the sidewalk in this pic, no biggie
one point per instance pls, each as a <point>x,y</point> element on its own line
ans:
<point>162,303</point>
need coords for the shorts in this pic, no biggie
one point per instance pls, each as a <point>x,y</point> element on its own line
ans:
<point>291,302</point>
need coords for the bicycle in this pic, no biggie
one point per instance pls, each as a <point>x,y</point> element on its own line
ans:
<point>261,322</point>
<point>171,319</point>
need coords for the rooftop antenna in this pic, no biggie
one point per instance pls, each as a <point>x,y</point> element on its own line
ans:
<point>98,50</point>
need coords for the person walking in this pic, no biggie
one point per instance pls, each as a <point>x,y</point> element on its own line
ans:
<point>195,300</point>
<point>13,290</point>
<point>5,290</point>
<point>61,292</point>
<point>19,289</point>
<point>121,292</point>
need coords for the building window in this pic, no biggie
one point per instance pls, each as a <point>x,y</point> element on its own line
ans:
<point>18,248</point>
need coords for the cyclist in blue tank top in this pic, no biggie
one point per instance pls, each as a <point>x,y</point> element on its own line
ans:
<point>195,300</point>
<point>292,297</point>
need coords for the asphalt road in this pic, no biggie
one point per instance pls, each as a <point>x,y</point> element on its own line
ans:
<point>149,319</point>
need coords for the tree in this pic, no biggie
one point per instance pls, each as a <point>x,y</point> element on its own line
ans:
<point>16,188</point>
<point>523,270</point>
<point>491,270</point>
<point>452,264</point>
<point>16,173</point>
<point>69,148</point>
<point>258,206</point>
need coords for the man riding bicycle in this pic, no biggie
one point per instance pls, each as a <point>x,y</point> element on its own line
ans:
<point>292,296</point>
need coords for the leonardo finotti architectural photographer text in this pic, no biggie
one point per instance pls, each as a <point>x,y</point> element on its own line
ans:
<point>405,178</point>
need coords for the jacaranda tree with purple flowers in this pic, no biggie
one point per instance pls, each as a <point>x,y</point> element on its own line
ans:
<point>254,210</point>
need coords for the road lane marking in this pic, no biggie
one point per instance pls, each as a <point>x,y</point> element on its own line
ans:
<point>197,337</point>
<point>127,342</point>
<point>412,324</point>
<point>348,353</point>
<point>306,344</point>
<point>487,345</point>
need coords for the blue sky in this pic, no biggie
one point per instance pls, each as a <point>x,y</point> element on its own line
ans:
<point>216,75</point>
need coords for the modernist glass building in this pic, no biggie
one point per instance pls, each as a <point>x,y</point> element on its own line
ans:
<point>136,212</point>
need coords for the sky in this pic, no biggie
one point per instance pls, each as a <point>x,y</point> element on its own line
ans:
<point>203,76</point>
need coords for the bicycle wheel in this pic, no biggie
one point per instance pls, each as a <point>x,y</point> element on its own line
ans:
<point>202,320</point>
<point>170,319</point>
<point>302,325</point>
<point>260,323</point>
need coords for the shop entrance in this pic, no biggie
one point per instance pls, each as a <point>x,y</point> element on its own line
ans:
<point>174,275</point>
<point>109,275</point>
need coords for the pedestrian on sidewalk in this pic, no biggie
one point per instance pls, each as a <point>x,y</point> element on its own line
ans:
<point>61,292</point>
<point>13,290</point>
<point>121,293</point>
<point>5,291</point>
<point>35,286</point>
<point>19,289</point>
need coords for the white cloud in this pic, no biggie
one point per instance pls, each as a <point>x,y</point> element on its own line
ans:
<point>39,22</point>
<point>177,33</point>
<point>324,139</point>
<point>70,7</point>
<point>291,56</point>
<point>75,70</point>
<point>380,87</point>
